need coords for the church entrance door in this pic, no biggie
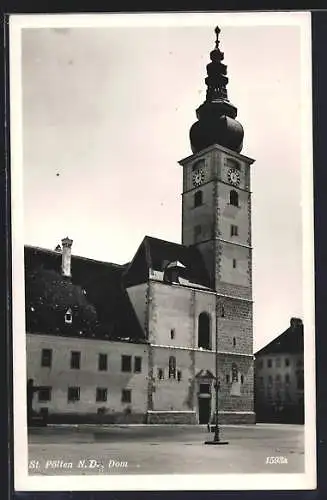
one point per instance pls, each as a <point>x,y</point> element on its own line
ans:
<point>204,409</point>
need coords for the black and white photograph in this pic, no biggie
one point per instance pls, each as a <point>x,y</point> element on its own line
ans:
<point>162,251</point>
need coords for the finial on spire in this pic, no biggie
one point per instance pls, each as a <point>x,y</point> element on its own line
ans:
<point>217,31</point>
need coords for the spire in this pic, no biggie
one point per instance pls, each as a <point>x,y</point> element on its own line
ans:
<point>216,80</point>
<point>216,116</point>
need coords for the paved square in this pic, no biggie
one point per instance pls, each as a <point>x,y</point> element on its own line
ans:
<point>160,449</point>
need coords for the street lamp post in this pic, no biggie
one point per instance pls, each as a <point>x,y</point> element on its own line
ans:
<point>216,438</point>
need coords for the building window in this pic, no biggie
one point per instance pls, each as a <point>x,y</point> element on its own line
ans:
<point>287,378</point>
<point>234,342</point>
<point>172,367</point>
<point>198,199</point>
<point>204,331</point>
<point>137,364</point>
<point>260,364</point>
<point>46,357</point>
<point>270,380</point>
<point>234,372</point>
<point>261,382</point>
<point>233,198</point>
<point>287,362</point>
<point>277,362</point>
<point>197,232</point>
<point>103,362</point>
<point>69,317</point>
<point>269,363</point>
<point>242,379</point>
<point>126,363</point>
<point>222,311</point>
<point>75,360</point>
<point>160,373</point>
<point>227,378</point>
<point>205,389</point>
<point>234,263</point>
<point>44,394</point>
<point>101,394</point>
<point>234,230</point>
<point>179,375</point>
<point>172,333</point>
<point>73,393</point>
<point>126,396</point>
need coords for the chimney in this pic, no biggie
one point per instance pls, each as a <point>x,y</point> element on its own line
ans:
<point>66,257</point>
<point>296,323</point>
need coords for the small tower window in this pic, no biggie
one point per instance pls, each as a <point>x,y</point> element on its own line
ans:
<point>172,333</point>
<point>198,199</point>
<point>234,263</point>
<point>222,311</point>
<point>179,375</point>
<point>204,331</point>
<point>227,378</point>
<point>160,373</point>
<point>172,367</point>
<point>233,198</point>
<point>234,230</point>
<point>234,342</point>
<point>68,317</point>
<point>242,379</point>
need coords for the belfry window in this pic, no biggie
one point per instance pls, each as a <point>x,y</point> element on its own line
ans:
<point>172,367</point>
<point>233,198</point>
<point>198,199</point>
<point>204,331</point>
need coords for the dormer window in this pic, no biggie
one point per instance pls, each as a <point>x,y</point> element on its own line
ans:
<point>69,317</point>
<point>173,272</point>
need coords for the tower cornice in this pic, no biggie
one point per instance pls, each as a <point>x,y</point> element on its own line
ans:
<point>228,151</point>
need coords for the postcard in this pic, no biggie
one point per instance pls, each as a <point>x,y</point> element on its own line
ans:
<point>162,236</point>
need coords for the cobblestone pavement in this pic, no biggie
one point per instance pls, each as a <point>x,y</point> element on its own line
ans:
<point>159,449</point>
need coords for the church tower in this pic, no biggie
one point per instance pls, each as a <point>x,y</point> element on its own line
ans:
<point>216,219</point>
<point>216,211</point>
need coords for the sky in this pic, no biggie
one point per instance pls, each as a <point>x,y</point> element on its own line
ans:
<point>106,118</point>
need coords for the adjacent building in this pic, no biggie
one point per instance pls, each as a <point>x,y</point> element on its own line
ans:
<point>137,342</point>
<point>279,377</point>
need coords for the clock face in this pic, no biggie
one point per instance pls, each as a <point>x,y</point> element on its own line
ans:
<point>198,177</point>
<point>234,177</point>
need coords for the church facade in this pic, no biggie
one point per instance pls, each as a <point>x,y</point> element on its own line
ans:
<point>141,342</point>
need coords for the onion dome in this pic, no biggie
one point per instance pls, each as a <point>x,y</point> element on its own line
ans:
<point>216,116</point>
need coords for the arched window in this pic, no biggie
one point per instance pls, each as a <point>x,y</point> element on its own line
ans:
<point>198,199</point>
<point>172,367</point>
<point>234,372</point>
<point>233,198</point>
<point>204,331</point>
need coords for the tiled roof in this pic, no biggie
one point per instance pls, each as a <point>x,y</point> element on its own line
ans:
<point>290,341</point>
<point>155,254</point>
<point>100,304</point>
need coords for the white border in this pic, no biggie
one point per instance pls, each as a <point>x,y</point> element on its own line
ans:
<point>24,482</point>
